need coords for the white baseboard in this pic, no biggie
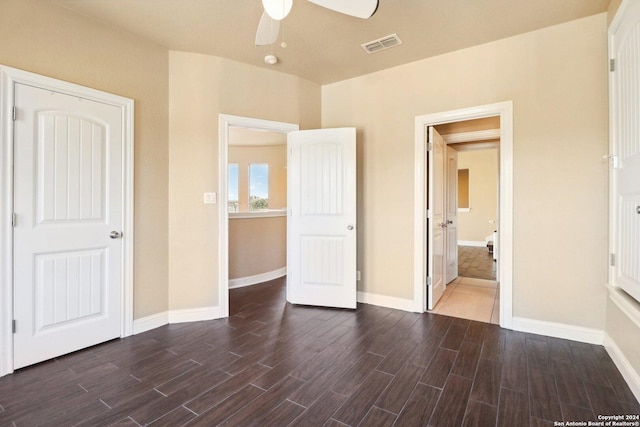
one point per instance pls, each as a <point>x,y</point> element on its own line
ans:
<point>175,316</point>
<point>150,322</point>
<point>258,278</point>
<point>479,244</point>
<point>194,314</point>
<point>558,330</point>
<point>386,301</point>
<point>630,375</point>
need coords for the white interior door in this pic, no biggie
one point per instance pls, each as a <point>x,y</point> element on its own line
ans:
<point>452,215</point>
<point>68,204</point>
<point>321,227</point>
<point>625,149</point>
<point>436,254</point>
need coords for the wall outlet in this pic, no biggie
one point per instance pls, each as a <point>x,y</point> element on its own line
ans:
<point>357,276</point>
<point>209,198</point>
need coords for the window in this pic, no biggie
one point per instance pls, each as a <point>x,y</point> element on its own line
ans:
<point>234,205</point>
<point>258,186</point>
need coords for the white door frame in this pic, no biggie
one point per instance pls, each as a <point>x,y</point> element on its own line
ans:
<point>225,121</point>
<point>505,230</point>
<point>8,78</point>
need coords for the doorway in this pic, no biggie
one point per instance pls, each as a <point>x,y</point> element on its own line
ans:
<point>472,183</point>
<point>251,128</point>
<point>503,244</point>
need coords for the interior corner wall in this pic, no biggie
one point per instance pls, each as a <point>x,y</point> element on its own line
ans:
<point>46,39</point>
<point>557,80</point>
<point>200,88</point>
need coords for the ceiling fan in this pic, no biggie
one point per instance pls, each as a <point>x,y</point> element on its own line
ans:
<point>276,10</point>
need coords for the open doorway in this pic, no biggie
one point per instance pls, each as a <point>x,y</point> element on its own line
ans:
<point>244,132</point>
<point>424,259</point>
<point>472,188</point>
<point>257,207</point>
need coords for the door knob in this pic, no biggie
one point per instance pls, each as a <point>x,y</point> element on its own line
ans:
<point>115,234</point>
<point>450,221</point>
<point>350,227</point>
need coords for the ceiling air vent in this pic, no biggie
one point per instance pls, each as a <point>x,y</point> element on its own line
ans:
<point>382,43</point>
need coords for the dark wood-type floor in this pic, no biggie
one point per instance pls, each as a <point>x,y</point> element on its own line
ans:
<point>273,364</point>
<point>476,262</point>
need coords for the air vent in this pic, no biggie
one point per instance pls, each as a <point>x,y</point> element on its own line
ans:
<point>382,43</point>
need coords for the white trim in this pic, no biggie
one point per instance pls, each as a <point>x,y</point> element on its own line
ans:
<point>625,367</point>
<point>148,323</point>
<point>175,316</point>
<point>195,314</point>
<point>558,330</point>
<point>464,210</point>
<point>386,301</point>
<point>241,282</point>
<point>8,78</point>
<point>626,303</point>
<point>479,135</point>
<point>258,214</point>
<point>225,121</point>
<point>505,245</point>
<point>475,243</point>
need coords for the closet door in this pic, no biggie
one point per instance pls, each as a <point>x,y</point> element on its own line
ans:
<point>624,51</point>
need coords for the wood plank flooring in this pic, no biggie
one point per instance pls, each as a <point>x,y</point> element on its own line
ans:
<point>274,364</point>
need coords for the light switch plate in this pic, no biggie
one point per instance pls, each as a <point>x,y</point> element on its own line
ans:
<point>209,198</point>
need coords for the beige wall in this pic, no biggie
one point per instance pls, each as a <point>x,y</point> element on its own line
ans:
<point>201,88</point>
<point>557,80</point>
<point>257,246</point>
<point>276,157</point>
<point>483,194</point>
<point>39,37</point>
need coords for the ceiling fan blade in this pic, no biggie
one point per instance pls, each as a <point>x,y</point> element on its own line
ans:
<point>267,30</point>
<point>358,8</point>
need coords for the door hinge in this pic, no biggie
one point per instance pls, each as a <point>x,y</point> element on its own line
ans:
<point>615,164</point>
<point>612,260</point>
<point>13,326</point>
<point>14,113</point>
<point>612,65</point>
<point>429,146</point>
<point>14,219</point>
<point>428,281</point>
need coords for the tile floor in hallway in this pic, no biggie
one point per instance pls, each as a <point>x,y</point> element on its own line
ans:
<point>477,262</point>
<point>472,299</point>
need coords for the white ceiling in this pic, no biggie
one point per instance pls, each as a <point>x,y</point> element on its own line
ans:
<point>324,46</point>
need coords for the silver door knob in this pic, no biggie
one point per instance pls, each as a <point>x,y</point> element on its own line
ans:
<point>115,234</point>
<point>349,227</point>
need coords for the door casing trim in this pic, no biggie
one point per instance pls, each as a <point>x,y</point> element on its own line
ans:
<point>505,230</point>
<point>8,78</point>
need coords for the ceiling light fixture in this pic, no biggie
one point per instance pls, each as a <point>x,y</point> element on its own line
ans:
<point>277,9</point>
<point>271,59</point>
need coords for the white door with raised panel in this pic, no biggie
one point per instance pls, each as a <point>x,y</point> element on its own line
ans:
<point>321,227</point>
<point>436,241</point>
<point>625,148</point>
<point>452,215</point>
<point>68,204</point>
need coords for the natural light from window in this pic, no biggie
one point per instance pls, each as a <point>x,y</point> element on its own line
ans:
<point>234,200</point>
<point>258,186</point>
